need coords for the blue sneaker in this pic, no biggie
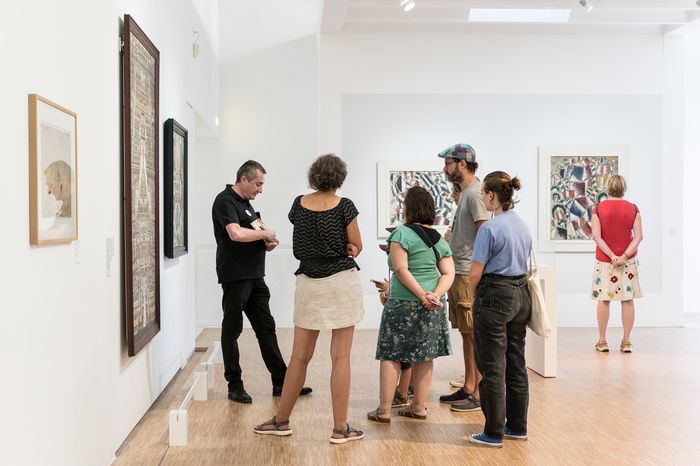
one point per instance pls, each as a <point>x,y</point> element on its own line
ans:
<point>485,440</point>
<point>509,434</point>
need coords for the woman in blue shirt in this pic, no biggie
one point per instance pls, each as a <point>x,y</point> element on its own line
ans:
<point>501,310</point>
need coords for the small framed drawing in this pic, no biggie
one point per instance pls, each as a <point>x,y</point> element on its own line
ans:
<point>53,172</point>
<point>141,175</point>
<point>572,181</point>
<point>393,180</point>
<point>175,187</point>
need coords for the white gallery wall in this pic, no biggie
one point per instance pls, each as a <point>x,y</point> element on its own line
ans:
<point>269,113</point>
<point>70,394</point>
<point>505,131</point>
<point>375,97</point>
<point>691,220</point>
<point>398,97</point>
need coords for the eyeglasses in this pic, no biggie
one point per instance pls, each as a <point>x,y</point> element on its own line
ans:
<point>450,161</point>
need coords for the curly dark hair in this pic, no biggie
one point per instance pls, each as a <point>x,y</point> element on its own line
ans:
<point>327,173</point>
<point>419,206</point>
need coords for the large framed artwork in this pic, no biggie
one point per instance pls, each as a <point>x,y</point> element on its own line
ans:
<point>572,181</point>
<point>140,63</point>
<point>175,187</point>
<point>393,180</point>
<point>53,172</point>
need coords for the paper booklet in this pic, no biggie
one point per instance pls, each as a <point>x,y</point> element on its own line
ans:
<point>258,225</point>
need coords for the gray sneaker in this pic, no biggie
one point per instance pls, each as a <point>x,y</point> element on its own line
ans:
<point>469,404</point>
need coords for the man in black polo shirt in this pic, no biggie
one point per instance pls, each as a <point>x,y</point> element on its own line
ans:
<point>240,266</point>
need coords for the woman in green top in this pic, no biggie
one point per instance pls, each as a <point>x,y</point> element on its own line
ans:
<point>414,324</point>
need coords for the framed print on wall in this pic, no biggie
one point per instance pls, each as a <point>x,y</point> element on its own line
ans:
<point>393,180</point>
<point>572,181</point>
<point>140,80</point>
<point>53,172</point>
<point>175,188</point>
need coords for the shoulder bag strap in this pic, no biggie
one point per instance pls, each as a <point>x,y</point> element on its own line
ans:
<point>533,260</point>
<point>423,235</point>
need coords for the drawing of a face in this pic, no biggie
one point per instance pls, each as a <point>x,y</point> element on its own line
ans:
<point>57,177</point>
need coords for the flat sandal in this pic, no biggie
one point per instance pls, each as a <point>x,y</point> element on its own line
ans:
<point>276,430</point>
<point>408,412</point>
<point>374,416</point>
<point>346,437</point>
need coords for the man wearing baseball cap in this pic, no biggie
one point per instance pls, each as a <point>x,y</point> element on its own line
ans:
<point>460,167</point>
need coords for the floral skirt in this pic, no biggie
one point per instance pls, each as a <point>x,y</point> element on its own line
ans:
<point>411,333</point>
<point>612,283</point>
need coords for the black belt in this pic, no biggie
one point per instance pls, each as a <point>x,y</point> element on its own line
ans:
<point>504,277</point>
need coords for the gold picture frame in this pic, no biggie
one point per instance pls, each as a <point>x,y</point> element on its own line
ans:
<point>53,172</point>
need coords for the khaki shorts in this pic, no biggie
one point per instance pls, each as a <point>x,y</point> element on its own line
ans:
<point>460,304</point>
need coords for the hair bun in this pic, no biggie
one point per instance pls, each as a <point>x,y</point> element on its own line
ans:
<point>515,183</point>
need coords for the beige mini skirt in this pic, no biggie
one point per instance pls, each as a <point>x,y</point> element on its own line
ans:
<point>329,302</point>
<point>612,283</point>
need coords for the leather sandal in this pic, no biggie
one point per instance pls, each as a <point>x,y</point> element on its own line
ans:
<point>374,416</point>
<point>347,435</point>
<point>408,412</point>
<point>278,428</point>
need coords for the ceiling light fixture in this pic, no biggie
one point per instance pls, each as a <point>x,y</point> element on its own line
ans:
<point>589,6</point>
<point>408,5</point>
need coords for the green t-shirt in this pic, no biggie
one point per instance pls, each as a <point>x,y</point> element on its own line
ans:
<point>421,262</point>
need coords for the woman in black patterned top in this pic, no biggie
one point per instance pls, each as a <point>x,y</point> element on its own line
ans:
<point>328,293</point>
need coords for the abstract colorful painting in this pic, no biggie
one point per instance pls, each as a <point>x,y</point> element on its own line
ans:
<point>393,181</point>
<point>577,184</point>
<point>575,181</point>
<point>140,64</point>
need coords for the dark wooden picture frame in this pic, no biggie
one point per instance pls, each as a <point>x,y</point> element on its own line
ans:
<point>141,238</point>
<point>175,188</point>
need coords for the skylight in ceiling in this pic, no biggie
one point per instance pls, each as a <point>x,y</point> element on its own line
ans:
<point>505,15</point>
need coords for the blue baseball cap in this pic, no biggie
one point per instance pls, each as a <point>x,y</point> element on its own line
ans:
<point>459,152</point>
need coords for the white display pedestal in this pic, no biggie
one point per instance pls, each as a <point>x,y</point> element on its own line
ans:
<point>541,353</point>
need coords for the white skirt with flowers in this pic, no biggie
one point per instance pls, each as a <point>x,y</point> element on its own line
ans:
<point>611,283</point>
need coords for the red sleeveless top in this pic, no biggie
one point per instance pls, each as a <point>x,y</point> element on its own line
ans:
<point>616,221</point>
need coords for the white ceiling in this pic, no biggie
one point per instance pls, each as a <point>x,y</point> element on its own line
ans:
<point>247,26</point>
<point>607,16</point>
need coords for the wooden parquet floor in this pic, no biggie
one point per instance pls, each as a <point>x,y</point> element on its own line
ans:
<point>623,409</point>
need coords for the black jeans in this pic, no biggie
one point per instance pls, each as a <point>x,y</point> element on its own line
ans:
<point>253,298</point>
<point>501,310</point>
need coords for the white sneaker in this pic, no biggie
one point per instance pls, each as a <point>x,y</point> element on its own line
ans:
<point>459,383</point>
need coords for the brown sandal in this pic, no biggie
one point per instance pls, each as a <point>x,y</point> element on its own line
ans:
<point>277,428</point>
<point>374,416</point>
<point>346,435</point>
<point>408,412</point>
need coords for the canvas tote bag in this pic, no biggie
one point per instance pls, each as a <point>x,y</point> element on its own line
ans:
<point>539,322</point>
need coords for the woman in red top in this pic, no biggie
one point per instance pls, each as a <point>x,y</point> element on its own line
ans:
<point>617,231</point>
